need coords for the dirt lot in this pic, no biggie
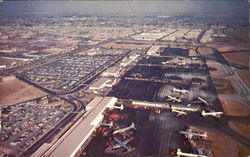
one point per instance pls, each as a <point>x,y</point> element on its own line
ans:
<point>192,52</point>
<point>245,75</point>
<point>233,36</point>
<point>234,108</point>
<point>243,129</point>
<point>14,91</point>
<point>205,51</point>
<point>228,89</point>
<point>241,58</point>
<point>238,36</point>
<point>7,62</point>
<point>230,48</point>
<point>220,145</point>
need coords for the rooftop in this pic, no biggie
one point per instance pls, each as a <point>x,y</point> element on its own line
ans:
<point>74,139</point>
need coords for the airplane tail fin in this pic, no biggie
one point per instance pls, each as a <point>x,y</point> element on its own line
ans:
<point>122,107</point>
<point>205,134</point>
<point>178,151</point>
<point>111,124</point>
<point>133,125</point>
<point>203,113</point>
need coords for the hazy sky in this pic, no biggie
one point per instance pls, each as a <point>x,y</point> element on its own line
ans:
<point>124,7</point>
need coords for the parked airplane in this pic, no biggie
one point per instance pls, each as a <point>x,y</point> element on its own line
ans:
<point>182,63</point>
<point>179,153</point>
<point>167,62</point>
<point>174,99</point>
<point>189,134</point>
<point>203,100</point>
<point>120,143</point>
<point>179,113</point>
<point>111,124</point>
<point>180,90</point>
<point>122,130</point>
<point>189,105</point>
<point>194,58</point>
<point>126,133</point>
<point>215,114</point>
<point>118,107</point>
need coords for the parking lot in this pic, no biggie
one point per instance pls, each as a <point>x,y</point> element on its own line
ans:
<point>65,73</point>
<point>23,124</point>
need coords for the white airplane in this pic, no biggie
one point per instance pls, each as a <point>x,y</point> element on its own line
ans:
<point>118,107</point>
<point>126,133</point>
<point>204,101</point>
<point>180,57</point>
<point>180,90</point>
<point>174,99</point>
<point>122,130</point>
<point>189,134</point>
<point>179,113</point>
<point>194,58</point>
<point>128,148</point>
<point>111,124</point>
<point>182,63</point>
<point>121,143</point>
<point>215,114</point>
<point>167,62</point>
<point>179,153</point>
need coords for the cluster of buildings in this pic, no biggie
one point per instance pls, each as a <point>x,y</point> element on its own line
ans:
<point>183,34</point>
<point>29,39</point>
<point>149,36</point>
<point>155,51</point>
<point>170,34</point>
<point>26,43</point>
<point>210,34</point>
<point>112,75</point>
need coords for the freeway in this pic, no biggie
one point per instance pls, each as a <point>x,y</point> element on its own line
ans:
<point>79,102</point>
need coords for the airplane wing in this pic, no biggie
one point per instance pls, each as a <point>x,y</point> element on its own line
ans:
<point>190,136</point>
<point>179,114</point>
<point>121,143</point>
<point>128,140</point>
<point>117,126</point>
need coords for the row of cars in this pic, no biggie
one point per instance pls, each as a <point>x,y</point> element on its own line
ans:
<point>25,123</point>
